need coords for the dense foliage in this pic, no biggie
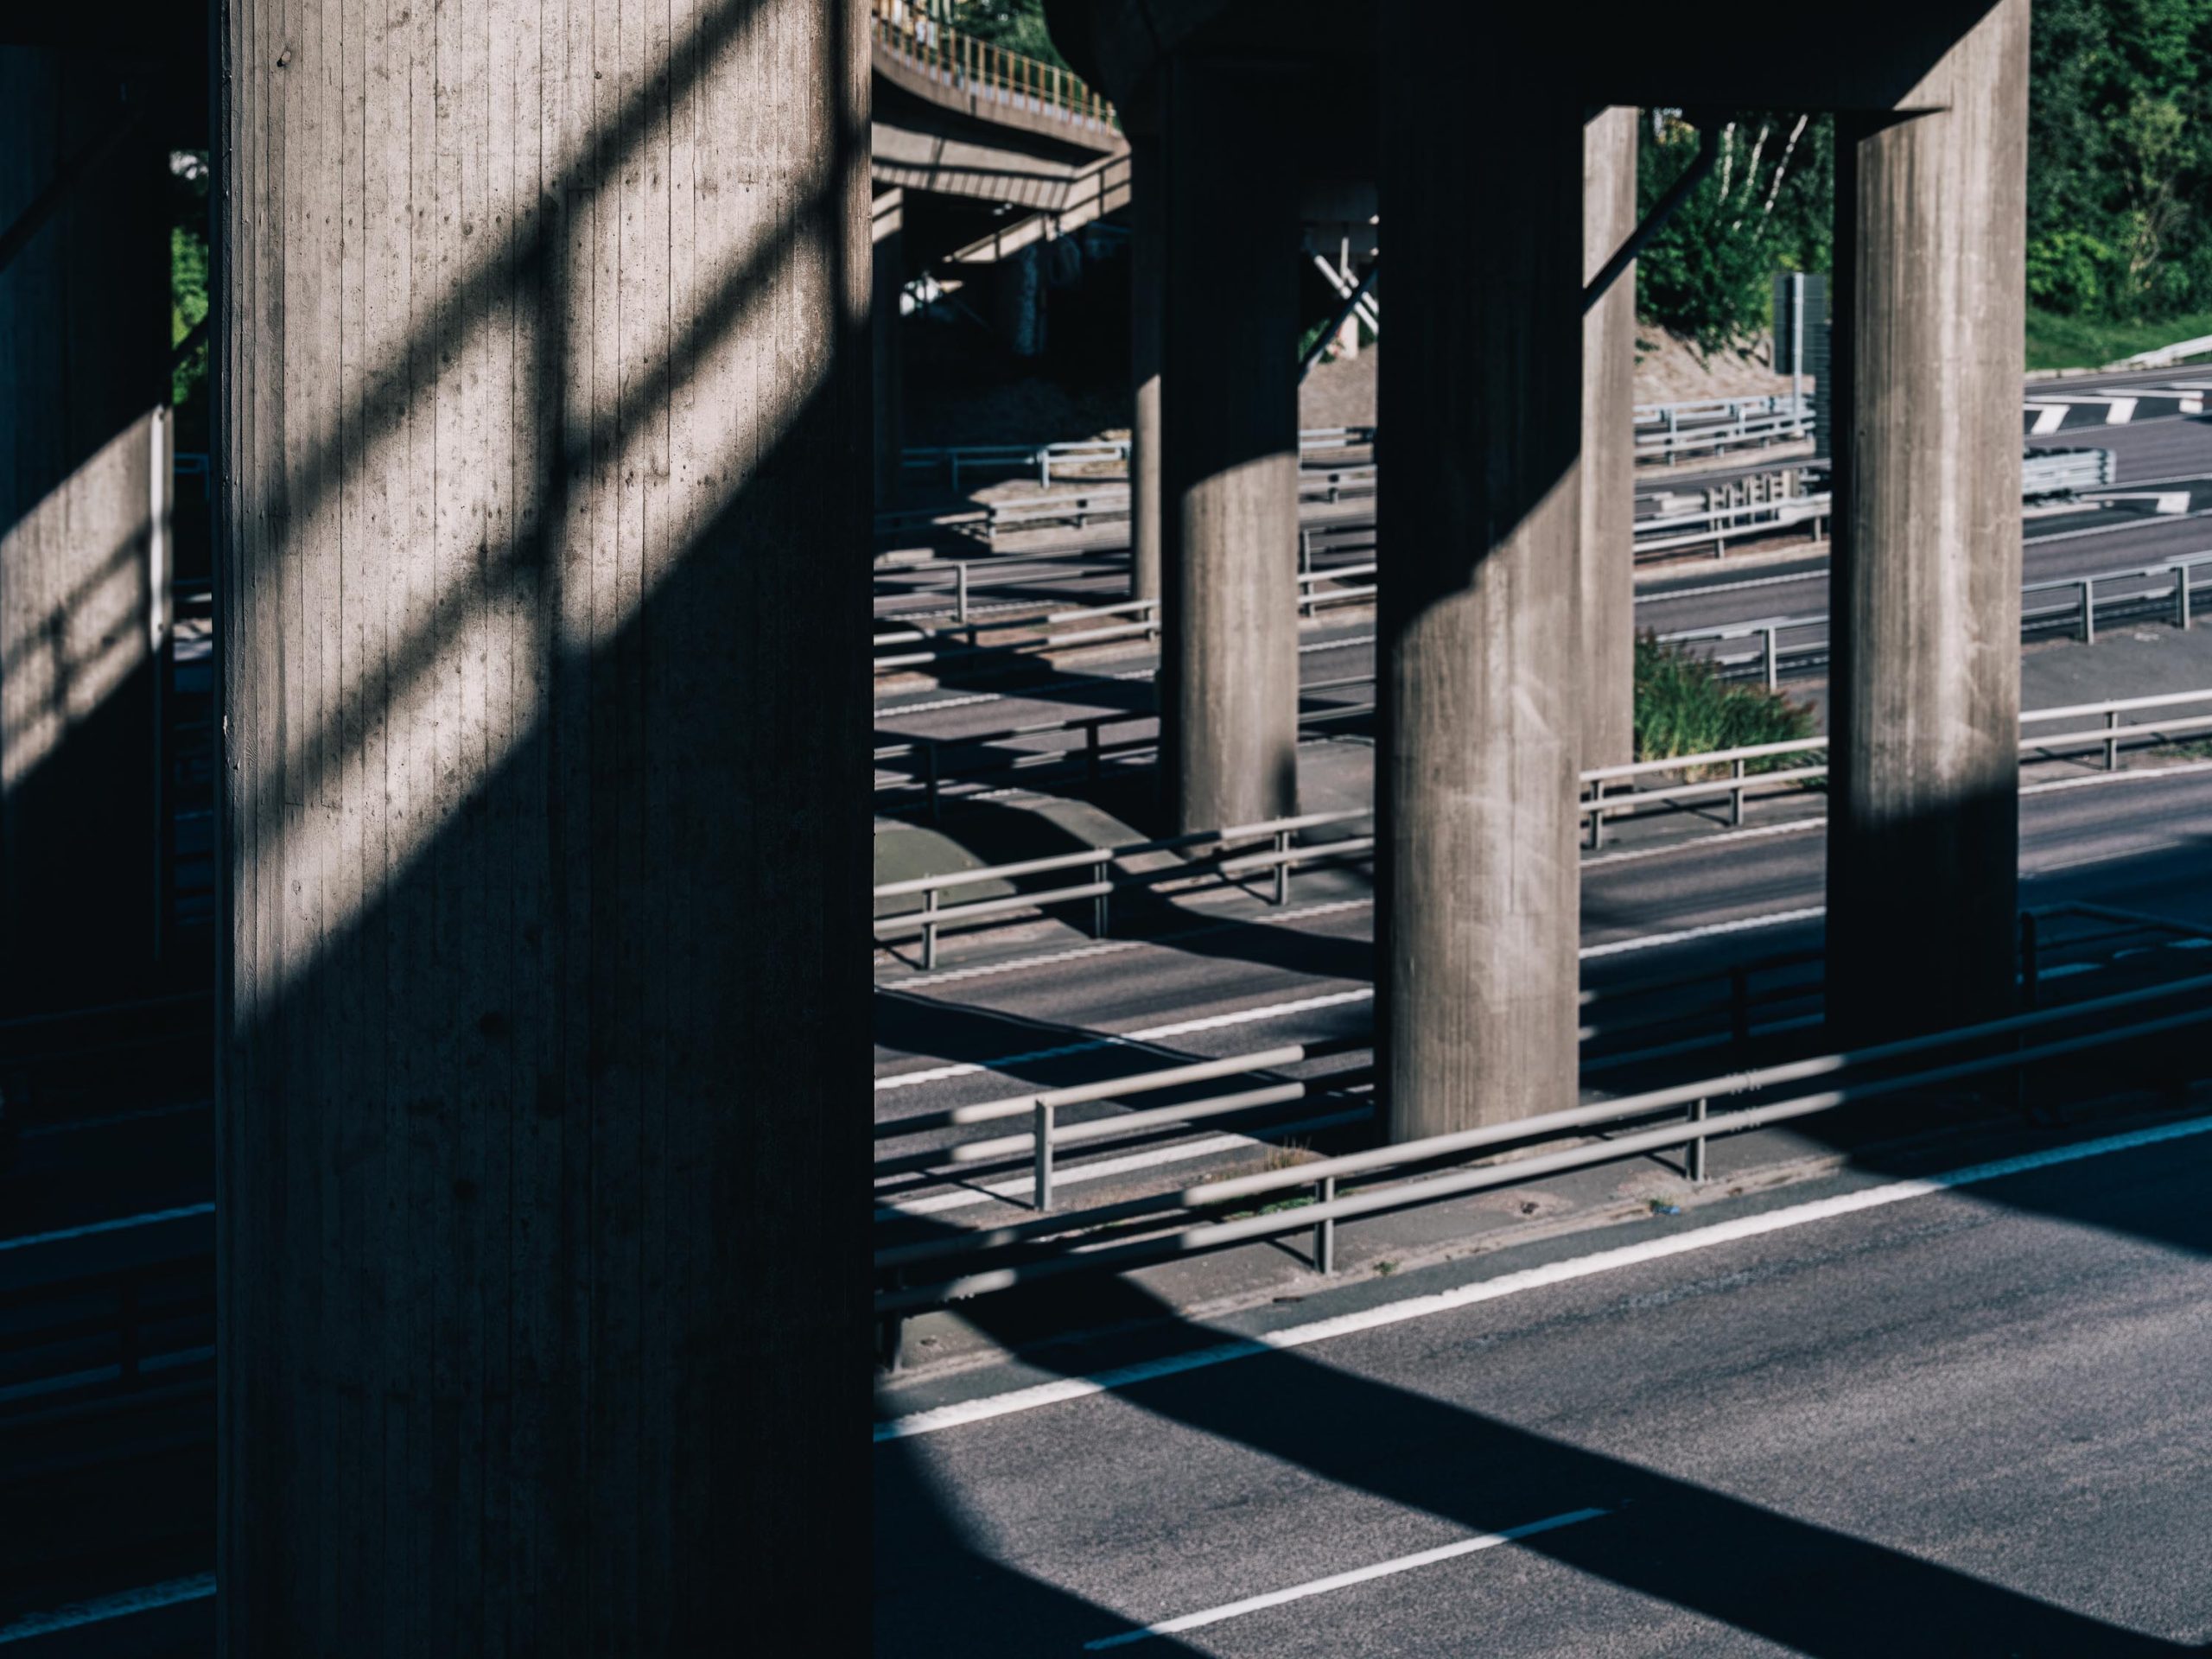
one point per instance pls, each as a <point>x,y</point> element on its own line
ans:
<point>1684,707</point>
<point>1017,25</point>
<point>1766,206</point>
<point>2119,183</point>
<point>189,299</point>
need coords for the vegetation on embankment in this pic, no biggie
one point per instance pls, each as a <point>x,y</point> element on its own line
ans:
<point>1684,707</point>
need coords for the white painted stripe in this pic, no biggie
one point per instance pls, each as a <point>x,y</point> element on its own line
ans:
<point>198,1588</point>
<point>2048,418</point>
<point>1727,835</point>
<point>941,1418</point>
<point>1345,1580</point>
<point>1742,925</point>
<point>1153,1034</point>
<point>1072,1174</point>
<point>1114,947</point>
<point>121,1224</point>
<point>2091,780</point>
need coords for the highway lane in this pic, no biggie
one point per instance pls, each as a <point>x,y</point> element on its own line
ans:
<point>1970,1422</point>
<point>1047,1008</point>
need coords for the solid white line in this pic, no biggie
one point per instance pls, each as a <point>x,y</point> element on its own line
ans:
<point>198,1588</point>
<point>1743,925</point>
<point>2147,775</point>
<point>941,1418</point>
<point>120,1225</point>
<point>1345,1580</point>
<point>1633,853</point>
<point>1154,1033</point>
<point>1071,1174</point>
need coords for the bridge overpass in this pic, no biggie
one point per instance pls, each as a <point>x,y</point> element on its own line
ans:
<point>544,374</point>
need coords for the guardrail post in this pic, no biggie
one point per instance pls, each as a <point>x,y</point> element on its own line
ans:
<point>1282,867</point>
<point>1101,917</point>
<point>960,594</point>
<point>1696,1159</point>
<point>1093,760</point>
<point>2088,610</point>
<point>2181,597</point>
<point>1773,660</point>
<point>2112,744</point>
<point>1044,468</point>
<point>1043,1135</point>
<point>1325,1231</point>
<point>1082,511</point>
<point>929,774</point>
<point>1304,552</point>
<point>929,930</point>
<point>1597,836</point>
<point>1736,795</point>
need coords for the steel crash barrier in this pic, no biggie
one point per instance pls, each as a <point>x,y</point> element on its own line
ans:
<point>1730,1007</point>
<point>1003,460</point>
<point>1144,1231</point>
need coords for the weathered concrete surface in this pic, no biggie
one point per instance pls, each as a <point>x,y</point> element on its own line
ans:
<point>889,210</point>
<point>1607,590</point>
<point>83,315</point>
<point>1228,681</point>
<point>1478,903</point>
<point>1148,300</point>
<point>544,803</point>
<point>1923,827</point>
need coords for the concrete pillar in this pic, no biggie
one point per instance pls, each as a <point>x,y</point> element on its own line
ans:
<point>1148,290</point>
<point>1923,782</point>
<point>1229,678</point>
<point>84,366</point>
<point>1478,902</point>
<point>890,275</point>
<point>1607,595</point>
<point>544,807</point>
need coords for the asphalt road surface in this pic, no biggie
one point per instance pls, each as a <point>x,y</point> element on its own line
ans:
<point>1966,1421</point>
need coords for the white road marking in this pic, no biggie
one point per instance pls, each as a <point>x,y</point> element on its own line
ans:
<point>1665,595</point>
<point>198,1588</point>
<point>1635,853</point>
<point>1154,1033</point>
<point>941,1418</point>
<point>121,1224</point>
<point>1072,1174</point>
<point>2048,418</point>
<point>1742,925</point>
<point>1345,1580</point>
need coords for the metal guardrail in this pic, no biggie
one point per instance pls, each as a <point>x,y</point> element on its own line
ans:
<point>1404,1176</point>
<point>2173,598</point>
<point>2047,471</point>
<point>1596,805</point>
<point>1001,458</point>
<point>1670,431</point>
<point>991,74</point>
<point>1746,1009</point>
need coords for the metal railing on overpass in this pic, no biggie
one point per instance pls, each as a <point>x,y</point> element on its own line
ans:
<point>915,35</point>
<point>1209,858</point>
<point>1729,1008</point>
<point>1002,459</point>
<point>1321,1195</point>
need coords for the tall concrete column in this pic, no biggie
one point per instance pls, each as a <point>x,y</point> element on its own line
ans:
<point>83,362</point>
<point>1924,716</point>
<point>890,275</point>
<point>1229,678</point>
<point>1607,593</point>
<point>544,341</point>
<point>1148,293</point>
<point>1478,902</point>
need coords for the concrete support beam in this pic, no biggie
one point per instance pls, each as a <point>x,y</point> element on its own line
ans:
<point>1607,590</point>
<point>1229,680</point>
<point>84,366</point>
<point>890,275</point>
<point>1478,901</point>
<point>544,812</point>
<point>1922,805</point>
<point>1148,293</point>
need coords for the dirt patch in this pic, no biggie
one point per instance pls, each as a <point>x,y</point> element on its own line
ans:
<point>1670,370</point>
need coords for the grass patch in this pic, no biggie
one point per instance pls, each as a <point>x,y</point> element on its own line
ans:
<point>1684,707</point>
<point>2056,342</point>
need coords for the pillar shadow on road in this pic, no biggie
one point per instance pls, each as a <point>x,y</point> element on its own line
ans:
<point>1795,1583</point>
